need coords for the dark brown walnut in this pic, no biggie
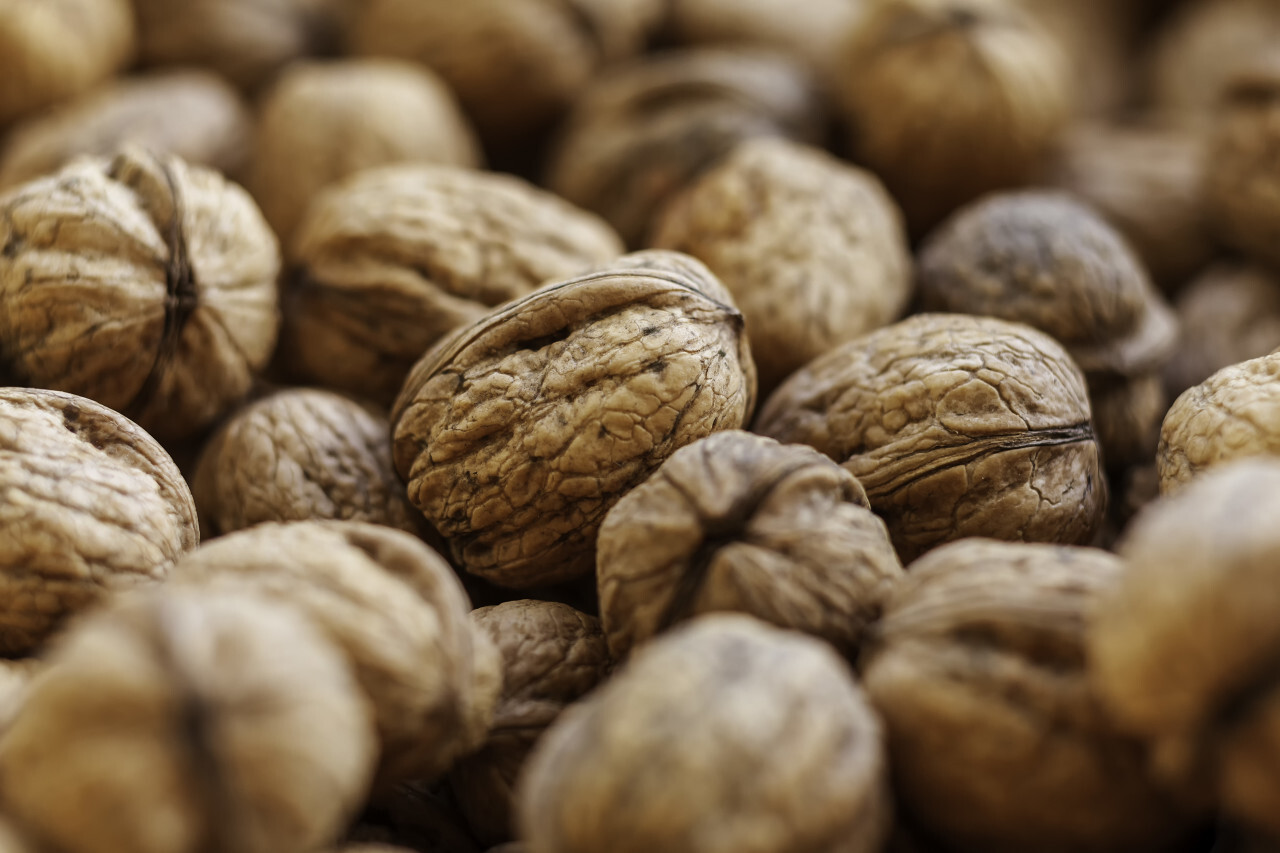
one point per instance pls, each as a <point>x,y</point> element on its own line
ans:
<point>956,426</point>
<point>397,611</point>
<point>724,735</point>
<point>518,433</point>
<point>141,282</point>
<point>194,115</point>
<point>392,259</point>
<point>552,655</point>
<point>996,740</point>
<point>739,522</point>
<point>92,504</point>
<point>324,121</point>
<point>1242,186</point>
<point>183,722</point>
<point>1233,414</point>
<point>644,132</point>
<point>950,99</point>
<point>812,249</point>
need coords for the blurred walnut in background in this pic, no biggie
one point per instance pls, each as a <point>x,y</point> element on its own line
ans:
<point>1242,185</point>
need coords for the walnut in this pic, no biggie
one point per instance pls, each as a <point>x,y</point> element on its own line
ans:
<point>16,676</point>
<point>518,433</point>
<point>323,121</point>
<point>995,738</point>
<point>91,504</point>
<point>724,735</point>
<point>1096,37</point>
<point>189,722</point>
<point>141,282</point>
<point>899,74</point>
<point>394,258</point>
<point>1242,187</point>
<point>1233,414</point>
<point>738,522</point>
<point>956,426</point>
<point>643,133</point>
<point>812,249</point>
<point>397,611</point>
<point>552,655</point>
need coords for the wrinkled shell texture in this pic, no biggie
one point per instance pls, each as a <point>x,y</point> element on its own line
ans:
<point>394,258</point>
<point>995,739</point>
<point>812,31</point>
<point>1233,414</point>
<point>140,282</point>
<point>517,434</point>
<point>397,611</point>
<point>1242,188</point>
<point>189,722</point>
<point>91,503</point>
<point>956,426</point>
<point>738,522</point>
<point>725,735</point>
<point>812,250</point>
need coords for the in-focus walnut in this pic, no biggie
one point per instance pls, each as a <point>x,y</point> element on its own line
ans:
<point>140,282</point>
<point>1242,185</point>
<point>956,426</point>
<point>398,612</point>
<point>324,121</point>
<point>552,655</point>
<point>951,99</point>
<point>812,249</point>
<point>392,259</point>
<point>185,721</point>
<point>738,522</point>
<point>724,735</point>
<point>996,741</point>
<point>91,504</point>
<point>518,433</point>
<point>643,133</point>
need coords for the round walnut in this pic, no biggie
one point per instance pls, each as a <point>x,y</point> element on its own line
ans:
<point>956,426</point>
<point>193,115</point>
<point>397,611</point>
<point>187,721</point>
<point>392,259</point>
<point>1242,185</point>
<point>140,282</point>
<point>91,504</point>
<point>518,433</point>
<point>725,735</point>
<point>552,655</point>
<point>323,121</point>
<point>738,522</point>
<point>901,70</point>
<point>645,132</point>
<point>812,249</point>
<point>995,739</point>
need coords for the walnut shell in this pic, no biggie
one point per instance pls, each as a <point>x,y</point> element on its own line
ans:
<point>995,739</point>
<point>140,282</point>
<point>1242,186</point>
<point>956,426</point>
<point>187,722</point>
<point>518,433</point>
<point>724,735</point>
<point>738,522</point>
<point>394,258</point>
<point>91,504</point>
<point>812,249</point>
<point>397,611</point>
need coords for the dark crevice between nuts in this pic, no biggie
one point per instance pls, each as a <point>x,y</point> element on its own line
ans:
<point>1239,703</point>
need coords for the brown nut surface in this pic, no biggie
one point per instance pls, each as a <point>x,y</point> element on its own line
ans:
<point>394,258</point>
<point>1242,186</point>
<point>956,426</point>
<point>812,249</point>
<point>739,522</point>
<point>189,722</point>
<point>397,611</point>
<point>811,32</point>
<point>518,433</point>
<point>92,503</point>
<point>140,282</point>
<point>995,739</point>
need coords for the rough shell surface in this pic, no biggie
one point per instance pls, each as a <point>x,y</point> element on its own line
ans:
<point>1242,186</point>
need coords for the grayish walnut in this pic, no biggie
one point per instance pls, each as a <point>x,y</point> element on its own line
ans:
<point>725,735</point>
<point>1242,186</point>
<point>518,433</point>
<point>738,522</point>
